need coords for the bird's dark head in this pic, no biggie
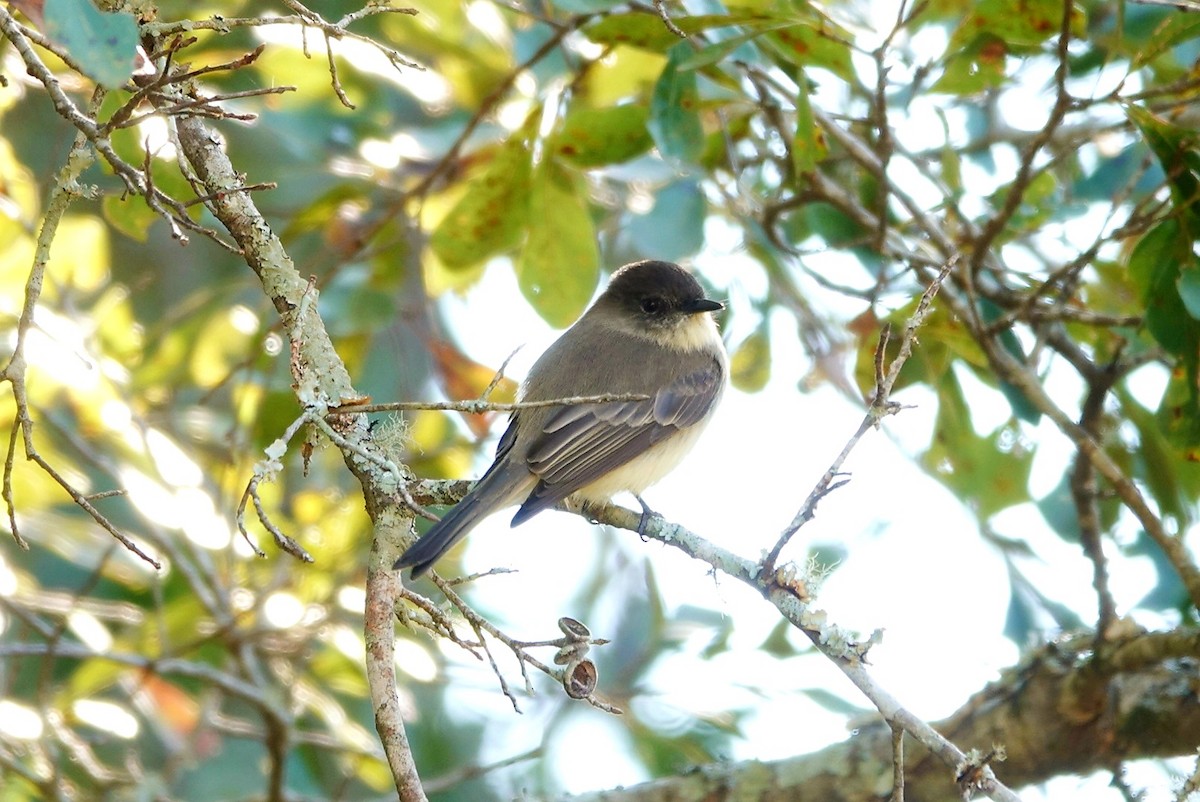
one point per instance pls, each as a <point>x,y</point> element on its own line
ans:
<point>657,291</point>
<point>662,301</point>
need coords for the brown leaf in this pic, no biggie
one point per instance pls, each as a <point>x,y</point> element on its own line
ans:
<point>465,379</point>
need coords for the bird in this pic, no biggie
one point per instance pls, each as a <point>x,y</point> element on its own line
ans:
<point>651,333</point>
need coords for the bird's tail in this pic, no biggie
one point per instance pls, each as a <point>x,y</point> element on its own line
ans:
<point>497,489</point>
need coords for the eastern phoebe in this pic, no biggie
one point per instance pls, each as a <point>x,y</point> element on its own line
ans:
<point>649,333</point>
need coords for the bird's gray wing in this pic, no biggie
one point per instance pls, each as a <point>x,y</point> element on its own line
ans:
<point>583,442</point>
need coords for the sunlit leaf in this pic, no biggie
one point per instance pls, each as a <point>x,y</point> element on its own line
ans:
<point>79,255</point>
<point>750,363</point>
<point>979,66</point>
<point>595,137</point>
<point>626,74</point>
<point>646,30</point>
<point>808,145</point>
<point>814,44</point>
<point>585,6</point>
<point>1024,28</point>
<point>560,264</point>
<point>130,216</point>
<point>220,347</point>
<point>492,214</point>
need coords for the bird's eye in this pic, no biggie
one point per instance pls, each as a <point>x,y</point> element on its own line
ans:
<point>653,305</point>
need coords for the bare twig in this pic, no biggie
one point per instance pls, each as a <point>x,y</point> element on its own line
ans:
<point>661,7</point>
<point>470,772</point>
<point>517,647</point>
<point>476,406</point>
<point>881,406</point>
<point>66,189</point>
<point>499,376</point>
<point>283,541</point>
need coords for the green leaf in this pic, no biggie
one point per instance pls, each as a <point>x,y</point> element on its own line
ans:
<point>718,51</point>
<point>490,217</point>
<point>585,6</point>
<point>1018,619</point>
<point>1175,30</point>
<point>596,137</point>
<point>777,643</point>
<point>104,44</point>
<point>560,265</point>
<point>808,145</point>
<point>1024,27</point>
<point>1156,265</point>
<point>1179,412</point>
<point>647,31</point>
<point>130,215</point>
<point>834,703</point>
<point>320,211</point>
<point>820,44</point>
<point>1168,591</point>
<point>1158,465</point>
<point>750,364</point>
<point>1189,289</point>
<point>1021,405</point>
<point>674,116</point>
<point>987,474</point>
<point>1059,510</point>
<point>352,306</point>
<point>978,67</point>
<point>1175,148</point>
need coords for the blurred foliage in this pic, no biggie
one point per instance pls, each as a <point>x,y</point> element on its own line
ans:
<point>555,140</point>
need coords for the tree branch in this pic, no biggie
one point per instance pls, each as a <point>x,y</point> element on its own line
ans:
<point>1147,710</point>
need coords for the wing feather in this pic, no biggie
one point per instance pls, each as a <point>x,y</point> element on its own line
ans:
<point>584,442</point>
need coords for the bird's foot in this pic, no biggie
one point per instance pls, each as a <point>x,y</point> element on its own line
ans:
<point>645,517</point>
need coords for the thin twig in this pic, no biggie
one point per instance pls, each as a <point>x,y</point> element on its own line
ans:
<point>881,406</point>
<point>518,648</point>
<point>471,772</point>
<point>661,7</point>
<point>476,406</point>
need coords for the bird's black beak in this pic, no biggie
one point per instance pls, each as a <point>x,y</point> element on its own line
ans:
<point>703,305</point>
